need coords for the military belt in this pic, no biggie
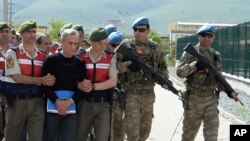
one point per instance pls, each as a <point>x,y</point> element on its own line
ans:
<point>23,97</point>
<point>201,93</point>
<point>140,91</point>
<point>97,99</point>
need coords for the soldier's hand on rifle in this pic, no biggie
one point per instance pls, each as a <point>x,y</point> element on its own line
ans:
<point>133,66</point>
<point>164,86</point>
<point>200,65</point>
<point>234,96</point>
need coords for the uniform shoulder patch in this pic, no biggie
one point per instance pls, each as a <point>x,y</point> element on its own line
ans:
<point>9,62</point>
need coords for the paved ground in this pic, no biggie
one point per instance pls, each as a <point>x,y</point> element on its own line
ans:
<point>168,112</point>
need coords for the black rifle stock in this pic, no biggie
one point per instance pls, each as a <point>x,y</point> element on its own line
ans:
<point>212,71</point>
<point>148,71</point>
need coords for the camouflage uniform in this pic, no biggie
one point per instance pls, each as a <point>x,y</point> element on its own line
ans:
<point>117,123</point>
<point>117,129</point>
<point>201,101</point>
<point>140,99</point>
<point>2,108</point>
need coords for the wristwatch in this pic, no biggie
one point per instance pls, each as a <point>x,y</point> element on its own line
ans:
<point>93,86</point>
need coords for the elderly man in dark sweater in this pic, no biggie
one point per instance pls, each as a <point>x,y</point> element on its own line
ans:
<point>62,97</point>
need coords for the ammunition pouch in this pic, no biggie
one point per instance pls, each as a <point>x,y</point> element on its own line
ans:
<point>120,93</point>
<point>185,96</point>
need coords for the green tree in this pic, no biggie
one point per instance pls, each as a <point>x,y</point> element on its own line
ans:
<point>165,44</point>
<point>172,54</point>
<point>155,37</point>
<point>54,28</point>
<point>162,41</point>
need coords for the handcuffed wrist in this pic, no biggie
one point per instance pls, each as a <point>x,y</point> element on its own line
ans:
<point>72,100</point>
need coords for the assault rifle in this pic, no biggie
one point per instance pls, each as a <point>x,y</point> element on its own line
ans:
<point>212,71</point>
<point>148,71</point>
<point>121,93</point>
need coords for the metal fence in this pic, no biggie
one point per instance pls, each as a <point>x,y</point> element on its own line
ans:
<point>234,45</point>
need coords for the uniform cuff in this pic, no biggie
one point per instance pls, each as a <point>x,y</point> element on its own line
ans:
<point>192,65</point>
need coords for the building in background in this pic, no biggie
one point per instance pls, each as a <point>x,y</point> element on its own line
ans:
<point>182,29</point>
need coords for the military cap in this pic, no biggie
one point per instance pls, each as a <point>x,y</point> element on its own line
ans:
<point>66,26</point>
<point>18,37</point>
<point>115,37</point>
<point>77,27</point>
<point>207,28</point>
<point>110,28</point>
<point>13,31</point>
<point>98,34</point>
<point>27,25</point>
<point>4,25</point>
<point>140,21</point>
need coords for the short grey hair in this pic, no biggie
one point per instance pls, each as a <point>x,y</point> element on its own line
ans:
<point>68,32</point>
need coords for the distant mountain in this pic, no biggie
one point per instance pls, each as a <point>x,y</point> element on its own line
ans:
<point>91,13</point>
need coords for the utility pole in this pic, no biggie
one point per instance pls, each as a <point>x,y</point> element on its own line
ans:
<point>5,10</point>
<point>10,4</point>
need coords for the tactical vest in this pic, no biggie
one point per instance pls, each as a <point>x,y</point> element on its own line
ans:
<point>56,48</point>
<point>195,80</point>
<point>2,58</point>
<point>148,52</point>
<point>97,72</point>
<point>1,68</point>
<point>31,67</point>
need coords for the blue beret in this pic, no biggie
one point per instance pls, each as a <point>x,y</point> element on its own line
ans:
<point>115,37</point>
<point>207,28</point>
<point>110,28</point>
<point>140,21</point>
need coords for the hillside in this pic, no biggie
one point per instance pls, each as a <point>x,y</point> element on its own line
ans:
<point>160,12</point>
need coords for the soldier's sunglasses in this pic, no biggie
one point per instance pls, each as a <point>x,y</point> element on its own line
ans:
<point>139,29</point>
<point>204,35</point>
<point>114,45</point>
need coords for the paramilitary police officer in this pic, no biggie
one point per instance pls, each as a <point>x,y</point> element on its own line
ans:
<point>94,109</point>
<point>201,101</point>
<point>110,28</point>
<point>140,99</point>
<point>25,106</point>
<point>5,35</point>
<point>118,103</point>
<point>79,29</point>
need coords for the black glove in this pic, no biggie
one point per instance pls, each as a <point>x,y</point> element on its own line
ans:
<point>134,67</point>
<point>229,93</point>
<point>200,65</point>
